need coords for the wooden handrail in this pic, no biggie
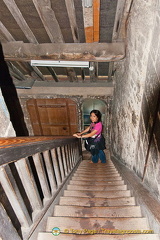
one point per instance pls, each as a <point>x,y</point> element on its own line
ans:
<point>25,146</point>
<point>12,141</point>
<point>33,172</point>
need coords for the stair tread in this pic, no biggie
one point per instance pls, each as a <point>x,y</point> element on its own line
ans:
<point>96,188</point>
<point>80,211</point>
<point>120,201</point>
<point>97,223</point>
<point>97,170</point>
<point>97,198</point>
<point>94,183</point>
<point>111,178</point>
<point>49,236</point>
<point>92,194</point>
<point>95,175</point>
<point>97,166</point>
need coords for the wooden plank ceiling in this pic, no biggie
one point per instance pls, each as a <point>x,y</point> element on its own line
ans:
<point>61,30</point>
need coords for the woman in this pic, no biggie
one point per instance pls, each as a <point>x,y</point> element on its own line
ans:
<point>95,132</point>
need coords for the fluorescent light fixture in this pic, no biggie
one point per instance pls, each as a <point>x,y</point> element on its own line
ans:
<point>49,63</point>
<point>87,3</point>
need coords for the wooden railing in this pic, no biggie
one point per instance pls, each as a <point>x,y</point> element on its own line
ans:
<point>32,171</point>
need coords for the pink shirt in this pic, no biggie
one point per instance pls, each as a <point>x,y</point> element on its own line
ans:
<point>96,126</point>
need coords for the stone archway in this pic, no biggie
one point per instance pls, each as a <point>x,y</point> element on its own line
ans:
<point>101,105</point>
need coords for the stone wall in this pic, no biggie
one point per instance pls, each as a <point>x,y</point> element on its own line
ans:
<point>6,128</point>
<point>137,84</point>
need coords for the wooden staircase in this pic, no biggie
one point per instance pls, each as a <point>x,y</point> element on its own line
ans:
<point>97,205</point>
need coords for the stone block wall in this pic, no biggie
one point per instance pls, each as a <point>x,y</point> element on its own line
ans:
<point>137,85</point>
<point>6,128</point>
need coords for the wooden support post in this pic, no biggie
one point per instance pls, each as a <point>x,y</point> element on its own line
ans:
<point>12,192</point>
<point>56,167</point>
<point>42,176</point>
<point>60,162</point>
<point>51,174</point>
<point>7,230</point>
<point>64,161</point>
<point>29,184</point>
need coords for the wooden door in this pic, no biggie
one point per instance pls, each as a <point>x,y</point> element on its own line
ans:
<point>54,117</point>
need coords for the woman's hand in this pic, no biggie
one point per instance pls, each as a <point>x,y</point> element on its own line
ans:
<point>76,135</point>
<point>79,134</point>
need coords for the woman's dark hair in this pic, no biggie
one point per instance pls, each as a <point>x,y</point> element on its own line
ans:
<point>97,113</point>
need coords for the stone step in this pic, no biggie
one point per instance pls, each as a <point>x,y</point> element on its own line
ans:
<point>49,236</point>
<point>78,211</point>
<point>97,183</point>
<point>95,202</point>
<point>92,194</point>
<point>96,188</point>
<point>111,178</point>
<point>79,223</point>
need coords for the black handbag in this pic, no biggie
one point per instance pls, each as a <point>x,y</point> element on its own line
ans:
<point>93,145</point>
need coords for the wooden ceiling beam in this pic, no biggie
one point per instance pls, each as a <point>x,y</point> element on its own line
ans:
<point>49,20</point>
<point>16,13</point>
<point>83,74</point>
<point>98,52</point>
<point>52,72</point>
<point>72,19</point>
<point>71,74</point>
<point>121,18</point>
<point>16,72</point>
<point>8,37</point>
<point>38,74</point>
<point>35,73</point>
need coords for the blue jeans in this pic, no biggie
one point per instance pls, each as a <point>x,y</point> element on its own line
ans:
<point>100,155</point>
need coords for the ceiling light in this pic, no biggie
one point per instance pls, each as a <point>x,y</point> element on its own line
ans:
<point>47,63</point>
<point>87,3</point>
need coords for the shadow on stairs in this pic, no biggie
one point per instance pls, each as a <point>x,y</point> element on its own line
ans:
<point>97,205</point>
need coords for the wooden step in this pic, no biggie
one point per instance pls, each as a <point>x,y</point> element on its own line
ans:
<point>92,194</point>
<point>97,183</point>
<point>96,223</point>
<point>97,172</point>
<point>104,175</point>
<point>111,178</point>
<point>49,236</point>
<point>78,211</point>
<point>97,166</point>
<point>113,169</point>
<point>96,201</point>
<point>120,201</point>
<point>96,188</point>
